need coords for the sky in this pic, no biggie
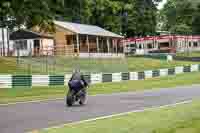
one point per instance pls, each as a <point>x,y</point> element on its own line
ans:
<point>162,4</point>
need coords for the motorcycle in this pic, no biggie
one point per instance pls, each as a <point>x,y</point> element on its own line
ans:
<point>76,95</point>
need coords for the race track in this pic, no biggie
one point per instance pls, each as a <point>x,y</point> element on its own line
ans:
<point>24,117</point>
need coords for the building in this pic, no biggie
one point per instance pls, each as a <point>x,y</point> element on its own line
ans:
<point>4,41</point>
<point>161,44</point>
<point>26,43</point>
<point>85,40</point>
<point>69,39</point>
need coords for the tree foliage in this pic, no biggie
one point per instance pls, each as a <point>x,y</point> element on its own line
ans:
<point>181,16</point>
<point>29,13</point>
<point>128,17</point>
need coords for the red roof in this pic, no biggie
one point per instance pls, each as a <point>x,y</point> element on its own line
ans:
<point>160,38</point>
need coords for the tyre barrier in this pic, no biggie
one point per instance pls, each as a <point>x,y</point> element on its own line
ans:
<point>11,81</point>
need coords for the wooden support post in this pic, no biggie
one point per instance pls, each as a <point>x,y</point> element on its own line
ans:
<point>3,42</point>
<point>192,43</point>
<point>77,41</point>
<point>102,45</point>
<point>88,43</point>
<point>108,45</point>
<point>41,48</point>
<point>72,47</point>
<point>8,42</point>
<point>144,47</point>
<point>97,42</point>
<point>115,45</point>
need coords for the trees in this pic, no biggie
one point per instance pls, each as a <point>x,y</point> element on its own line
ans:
<point>4,12</point>
<point>145,21</point>
<point>181,17</point>
<point>76,11</point>
<point>181,29</point>
<point>107,14</point>
<point>29,13</point>
<point>128,17</point>
<point>196,21</point>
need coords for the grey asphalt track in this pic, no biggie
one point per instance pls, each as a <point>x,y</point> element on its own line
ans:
<point>26,117</point>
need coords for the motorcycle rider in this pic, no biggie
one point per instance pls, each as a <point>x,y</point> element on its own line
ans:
<point>77,79</point>
<point>78,84</point>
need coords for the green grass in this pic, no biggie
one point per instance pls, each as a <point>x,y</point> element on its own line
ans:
<point>191,54</point>
<point>140,64</point>
<point>61,65</point>
<point>9,66</point>
<point>26,94</point>
<point>179,119</point>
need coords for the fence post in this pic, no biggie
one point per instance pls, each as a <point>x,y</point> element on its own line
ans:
<point>47,62</point>
<point>18,55</point>
<point>30,62</point>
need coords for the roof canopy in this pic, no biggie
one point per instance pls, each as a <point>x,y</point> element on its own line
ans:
<point>86,29</point>
<point>25,34</point>
<point>163,37</point>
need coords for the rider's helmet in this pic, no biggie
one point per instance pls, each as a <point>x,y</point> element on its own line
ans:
<point>76,70</point>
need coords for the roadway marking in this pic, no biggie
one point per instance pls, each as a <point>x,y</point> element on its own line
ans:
<point>33,101</point>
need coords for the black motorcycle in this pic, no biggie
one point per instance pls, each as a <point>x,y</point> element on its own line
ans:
<point>76,95</point>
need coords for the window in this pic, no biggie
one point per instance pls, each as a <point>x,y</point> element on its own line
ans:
<point>190,44</point>
<point>140,46</point>
<point>21,44</point>
<point>132,45</point>
<point>195,44</point>
<point>150,46</point>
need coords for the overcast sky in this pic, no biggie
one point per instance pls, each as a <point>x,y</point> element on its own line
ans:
<point>162,4</point>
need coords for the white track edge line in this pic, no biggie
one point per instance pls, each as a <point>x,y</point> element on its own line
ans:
<point>116,115</point>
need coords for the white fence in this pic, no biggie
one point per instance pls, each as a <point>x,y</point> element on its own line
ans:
<point>101,55</point>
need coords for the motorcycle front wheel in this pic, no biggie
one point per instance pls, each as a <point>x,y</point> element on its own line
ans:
<point>82,100</point>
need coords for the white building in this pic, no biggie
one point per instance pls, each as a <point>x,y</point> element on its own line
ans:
<point>25,43</point>
<point>161,44</point>
<point>4,42</point>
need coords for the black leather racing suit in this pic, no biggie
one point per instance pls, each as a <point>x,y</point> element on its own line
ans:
<point>79,77</point>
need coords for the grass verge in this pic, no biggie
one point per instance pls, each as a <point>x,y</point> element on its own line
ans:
<point>41,93</point>
<point>190,54</point>
<point>61,65</point>
<point>179,119</point>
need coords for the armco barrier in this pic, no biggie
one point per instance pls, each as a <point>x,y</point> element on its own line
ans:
<point>10,81</point>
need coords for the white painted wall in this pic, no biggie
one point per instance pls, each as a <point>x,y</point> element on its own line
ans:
<point>23,52</point>
<point>4,38</point>
<point>46,45</point>
<point>140,52</point>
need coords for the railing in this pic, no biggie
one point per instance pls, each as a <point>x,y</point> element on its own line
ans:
<point>101,55</point>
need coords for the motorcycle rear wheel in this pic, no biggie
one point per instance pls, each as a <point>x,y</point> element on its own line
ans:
<point>70,98</point>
